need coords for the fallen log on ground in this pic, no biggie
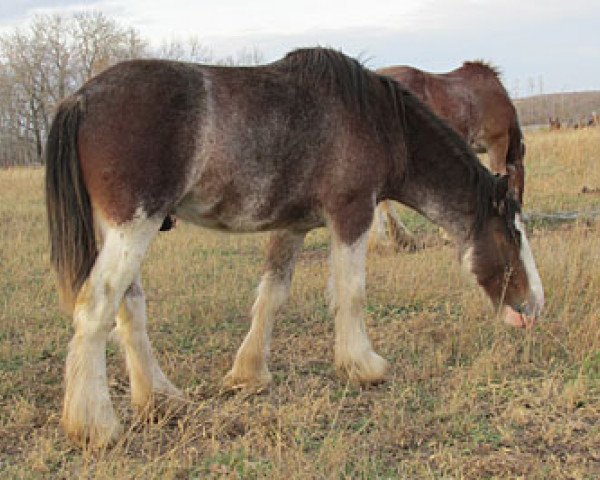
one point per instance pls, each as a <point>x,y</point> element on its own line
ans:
<point>560,217</point>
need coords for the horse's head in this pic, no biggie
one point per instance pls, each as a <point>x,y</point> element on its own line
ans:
<point>501,259</point>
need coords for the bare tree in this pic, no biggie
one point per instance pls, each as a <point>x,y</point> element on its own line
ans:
<point>25,62</point>
<point>41,65</point>
<point>189,50</point>
<point>11,126</point>
<point>244,57</point>
<point>99,42</point>
<point>193,50</point>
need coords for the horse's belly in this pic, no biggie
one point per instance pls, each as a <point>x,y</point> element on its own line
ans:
<point>190,216</point>
<point>219,214</point>
<point>209,216</point>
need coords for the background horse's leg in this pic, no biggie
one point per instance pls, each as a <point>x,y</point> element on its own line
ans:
<point>354,354</point>
<point>250,370</point>
<point>500,161</point>
<point>388,227</point>
<point>145,375</point>
<point>400,234</point>
<point>497,150</point>
<point>87,410</point>
<point>381,218</point>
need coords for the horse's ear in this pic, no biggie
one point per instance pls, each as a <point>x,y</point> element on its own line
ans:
<point>513,182</point>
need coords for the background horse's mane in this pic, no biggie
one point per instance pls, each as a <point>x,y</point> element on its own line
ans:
<point>483,66</point>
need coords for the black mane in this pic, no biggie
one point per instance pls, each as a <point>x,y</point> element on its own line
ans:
<point>374,96</point>
<point>331,69</point>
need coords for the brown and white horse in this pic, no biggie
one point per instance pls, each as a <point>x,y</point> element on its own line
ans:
<point>312,140</point>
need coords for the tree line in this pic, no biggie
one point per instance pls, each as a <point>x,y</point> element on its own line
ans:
<point>51,58</point>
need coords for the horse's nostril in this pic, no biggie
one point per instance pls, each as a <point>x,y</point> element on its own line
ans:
<point>519,308</point>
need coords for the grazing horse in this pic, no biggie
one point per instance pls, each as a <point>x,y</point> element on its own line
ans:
<point>311,140</point>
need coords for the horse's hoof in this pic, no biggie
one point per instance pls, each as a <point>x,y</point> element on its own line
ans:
<point>161,407</point>
<point>247,384</point>
<point>93,436</point>
<point>371,369</point>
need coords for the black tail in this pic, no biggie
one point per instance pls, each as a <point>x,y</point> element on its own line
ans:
<point>73,247</point>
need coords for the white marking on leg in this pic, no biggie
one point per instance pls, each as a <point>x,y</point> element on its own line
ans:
<point>145,375</point>
<point>394,219</point>
<point>87,409</point>
<point>250,369</point>
<point>353,351</point>
<point>467,259</point>
<point>533,277</point>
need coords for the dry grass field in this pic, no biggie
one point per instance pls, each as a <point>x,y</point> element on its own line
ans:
<point>468,397</point>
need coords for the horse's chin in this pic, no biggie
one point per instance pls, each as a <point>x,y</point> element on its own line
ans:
<point>516,319</point>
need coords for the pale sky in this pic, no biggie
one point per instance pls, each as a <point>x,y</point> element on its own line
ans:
<point>548,46</point>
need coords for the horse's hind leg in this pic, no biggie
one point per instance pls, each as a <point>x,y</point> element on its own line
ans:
<point>88,413</point>
<point>354,354</point>
<point>250,370</point>
<point>145,375</point>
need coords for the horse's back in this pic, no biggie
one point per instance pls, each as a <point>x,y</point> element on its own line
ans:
<point>155,132</point>
<point>238,148</point>
<point>235,148</point>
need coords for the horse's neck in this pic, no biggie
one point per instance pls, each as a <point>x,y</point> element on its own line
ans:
<point>441,206</point>
<point>442,175</point>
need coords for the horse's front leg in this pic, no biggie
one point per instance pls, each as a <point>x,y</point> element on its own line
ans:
<point>250,370</point>
<point>354,354</point>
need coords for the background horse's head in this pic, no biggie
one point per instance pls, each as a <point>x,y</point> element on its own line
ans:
<point>501,259</point>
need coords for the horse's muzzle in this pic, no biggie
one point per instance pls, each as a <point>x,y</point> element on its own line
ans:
<point>525,315</point>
